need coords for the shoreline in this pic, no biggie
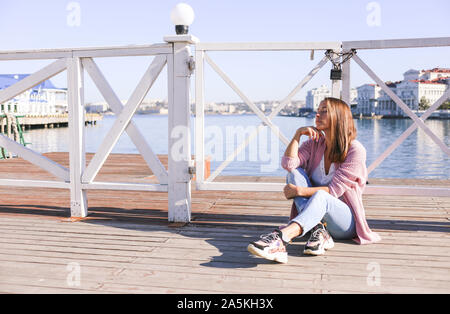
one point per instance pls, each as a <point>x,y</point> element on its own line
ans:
<point>376,117</point>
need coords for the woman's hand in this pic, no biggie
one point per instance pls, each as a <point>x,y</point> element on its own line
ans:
<point>291,191</point>
<point>310,131</point>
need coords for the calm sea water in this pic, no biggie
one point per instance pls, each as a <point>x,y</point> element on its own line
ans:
<point>417,157</point>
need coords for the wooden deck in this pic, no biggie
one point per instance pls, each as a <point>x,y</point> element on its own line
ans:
<point>126,246</point>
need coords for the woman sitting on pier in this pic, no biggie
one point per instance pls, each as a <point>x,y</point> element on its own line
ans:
<point>326,178</point>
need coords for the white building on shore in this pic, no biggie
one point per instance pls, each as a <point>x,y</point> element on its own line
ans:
<point>315,96</point>
<point>97,107</point>
<point>386,106</point>
<point>367,99</point>
<point>416,90</point>
<point>43,99</point>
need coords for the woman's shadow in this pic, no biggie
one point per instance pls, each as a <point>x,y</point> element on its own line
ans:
<point>228,233</point>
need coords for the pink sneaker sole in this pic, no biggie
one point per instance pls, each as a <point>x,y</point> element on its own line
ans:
<point>280,257</point>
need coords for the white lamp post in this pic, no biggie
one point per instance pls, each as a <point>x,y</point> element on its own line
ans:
<point>182,16</point>
<point>179,73</point>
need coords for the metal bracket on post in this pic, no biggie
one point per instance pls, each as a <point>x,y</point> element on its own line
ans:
<point>191,64</point>
<point>192,171</point>
<point>180,67</point>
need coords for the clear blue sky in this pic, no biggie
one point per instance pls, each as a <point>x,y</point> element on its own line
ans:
<point>43,24</point>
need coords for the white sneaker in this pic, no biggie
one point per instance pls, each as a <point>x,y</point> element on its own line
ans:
<point>319,241</point>
<point>271,246</point>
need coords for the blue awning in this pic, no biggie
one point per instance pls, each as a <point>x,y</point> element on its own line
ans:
<point>7,80</point>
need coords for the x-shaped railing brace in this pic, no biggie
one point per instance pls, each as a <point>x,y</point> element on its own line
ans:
<point>419,122</point>
<point>266,120</point>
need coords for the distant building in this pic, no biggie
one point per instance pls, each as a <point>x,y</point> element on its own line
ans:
<point>315,96</point>
<point>43,99</point>
<point>432,84</point>
<point>367,99</point>
<point>386,106</point>
<point>353,98</point>
<point>97,107</point>
<point>212,107</point>
<point>424,86</point>
<point>411,75</point>
<point>435,74</point>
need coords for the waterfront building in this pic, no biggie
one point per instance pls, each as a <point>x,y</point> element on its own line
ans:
<point>367,99</point>
<point>212,107</point>
<point>418,90</point>
<point>386,106</point>
<point>423,89</point>
<point>315,96</point>
<point>353,97</point>
<point>97,107</point>
<point>43,99</point>
<point>425,86</point>
<point>435,74</point>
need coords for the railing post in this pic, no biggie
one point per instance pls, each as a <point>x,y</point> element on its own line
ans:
<point>199,118</point>
<point>336,84</point>
<point>77,156</point>
<point>346,89</point>
<point>179,67</point>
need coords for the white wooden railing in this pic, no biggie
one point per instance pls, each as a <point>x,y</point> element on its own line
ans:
<point>80,177</point>
<point>338,90</point>
<point>175,53</point>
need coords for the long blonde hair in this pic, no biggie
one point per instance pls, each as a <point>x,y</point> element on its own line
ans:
<point>342,128</point>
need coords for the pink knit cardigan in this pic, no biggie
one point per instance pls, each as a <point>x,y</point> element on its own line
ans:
<point>348,181</point>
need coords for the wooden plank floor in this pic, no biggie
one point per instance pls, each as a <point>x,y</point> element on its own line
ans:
<point>126,246</point>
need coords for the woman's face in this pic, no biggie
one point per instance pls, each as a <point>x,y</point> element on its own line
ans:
<point>322,120</point>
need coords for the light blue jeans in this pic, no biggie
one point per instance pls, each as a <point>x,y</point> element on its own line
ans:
<point>322,206</point>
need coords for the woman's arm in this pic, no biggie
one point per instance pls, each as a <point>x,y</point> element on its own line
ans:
<point>292,157</point>
<point>291,191</point>
<point>292,149</point>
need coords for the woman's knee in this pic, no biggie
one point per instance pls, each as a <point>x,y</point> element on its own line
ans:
<point>302,172</point>
<point>321,194</point>
<point>320,198</point>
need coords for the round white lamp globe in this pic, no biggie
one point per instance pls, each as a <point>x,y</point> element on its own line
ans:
<point>182,16</point>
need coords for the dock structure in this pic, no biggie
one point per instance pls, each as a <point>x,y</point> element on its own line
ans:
<point>56,120</point>
<point>126,245</point>
<point>51,121</point>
